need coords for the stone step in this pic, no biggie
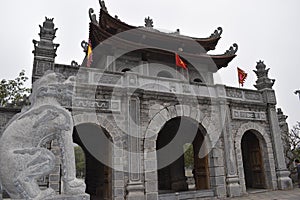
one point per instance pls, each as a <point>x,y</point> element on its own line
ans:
<point>187,195</point>
<point>70,197</point>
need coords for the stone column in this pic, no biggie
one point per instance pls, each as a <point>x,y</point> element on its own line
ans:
<point>232,179</point>
<point>135,187</point>
<point>283,179</point>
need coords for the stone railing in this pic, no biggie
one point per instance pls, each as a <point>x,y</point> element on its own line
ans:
<point>244,94</point>
<point>88,76</point>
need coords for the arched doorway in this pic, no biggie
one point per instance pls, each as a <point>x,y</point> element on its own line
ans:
<point>253,163</point>
<point>173,178</point>
<point>98,174</point>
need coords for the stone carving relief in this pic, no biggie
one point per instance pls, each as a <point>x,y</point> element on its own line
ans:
<point>99,104</point>
<point>23,158</point>
<point>234,93</point>
<point>253,96</point>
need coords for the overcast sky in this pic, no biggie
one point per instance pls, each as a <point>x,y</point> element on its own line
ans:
<point>266,30</point>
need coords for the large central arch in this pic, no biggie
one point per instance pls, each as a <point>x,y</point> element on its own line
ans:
<point>211,123</point>
<point>174,177</point>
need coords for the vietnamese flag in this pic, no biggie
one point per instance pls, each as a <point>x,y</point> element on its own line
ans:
<point>242,75</point>
<point>179,62</point>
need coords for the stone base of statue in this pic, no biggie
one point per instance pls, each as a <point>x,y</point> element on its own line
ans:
<point>70,197</point>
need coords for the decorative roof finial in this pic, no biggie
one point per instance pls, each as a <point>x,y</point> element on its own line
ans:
<point>84,45</point>
<point>217,33</point>
<point>102,5</point>
<point>263,80</point>
<point>92,16</point>
<point>74,64</point>
<point>232,50</point>
<point>148,22</point>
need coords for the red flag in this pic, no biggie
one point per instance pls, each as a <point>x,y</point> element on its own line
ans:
<point>179,62</point>
<point>242,75</point>
<point>89,54</point>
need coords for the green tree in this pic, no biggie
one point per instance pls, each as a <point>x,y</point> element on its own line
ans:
<point>188,156</point>
<point>80,162</point>
<point>13,93</point>
<point>294,142</point>
<point>291,143</point>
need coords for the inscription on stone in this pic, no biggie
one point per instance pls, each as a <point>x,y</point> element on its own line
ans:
<point>249,115</point>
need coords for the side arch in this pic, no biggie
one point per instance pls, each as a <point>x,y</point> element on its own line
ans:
<point>102,121</point>
<point>118,183</point>
<point>267,150</point>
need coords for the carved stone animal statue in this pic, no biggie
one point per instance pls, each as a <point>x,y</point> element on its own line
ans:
<point>23,158</point>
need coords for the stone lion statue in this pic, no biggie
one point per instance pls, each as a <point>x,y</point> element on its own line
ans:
<point>23,157</point>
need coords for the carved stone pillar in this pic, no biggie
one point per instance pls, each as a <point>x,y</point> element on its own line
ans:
<point>178,179</point>
<point>232,179</point>
<point>283,179</point>
<point>265,84</point>
<point>135,187</point>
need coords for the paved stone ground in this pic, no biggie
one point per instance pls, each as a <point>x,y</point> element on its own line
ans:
<point>267,195</point>
<point>272,195</point>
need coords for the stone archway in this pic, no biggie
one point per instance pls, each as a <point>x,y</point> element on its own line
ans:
<point>184,134</point>
<point>159,119</point>
<point>115,170</point>
<point>98,154</point>
<point>266,152</point>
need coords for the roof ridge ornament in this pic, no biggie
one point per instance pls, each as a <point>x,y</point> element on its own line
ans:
<point>217,33</point>
<point>93,17</point>
<point>49,19</point>
<point>102,5</point>
<point>263,81</point>
<point>148,22</point>
<point>74,64</point>
<point>84,45</point>
<point>232,50</point>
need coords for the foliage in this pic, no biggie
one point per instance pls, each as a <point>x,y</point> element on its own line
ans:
<point>80,162</point>
<point>188,156</point>
<point>292,151</point>
<point>13,93</point>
